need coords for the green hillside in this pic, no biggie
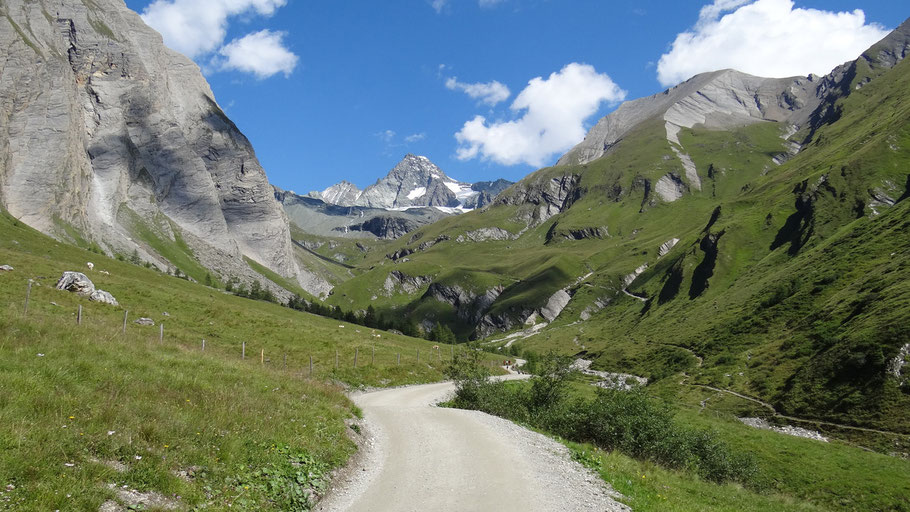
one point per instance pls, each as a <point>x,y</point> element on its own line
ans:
<point>789,281</point>
<point>89,411</point>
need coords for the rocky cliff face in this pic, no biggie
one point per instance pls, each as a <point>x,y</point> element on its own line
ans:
<point>728,98</point>
<point>721,99</point>
<point>318,217</point>
<point>105,129</point>
<point>344,193</point>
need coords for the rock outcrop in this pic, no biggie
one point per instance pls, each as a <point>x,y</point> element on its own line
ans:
<point>399,282</point>
<point>666,247</point>
<point>490,323</point>
<point>105,129</point>
<point>469,306</point>
<point>543,196</point>
<point>385,227</point>
<point>557,232</point>
<point>485,234</point>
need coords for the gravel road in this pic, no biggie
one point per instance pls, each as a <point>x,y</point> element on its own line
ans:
<point>419,457</point>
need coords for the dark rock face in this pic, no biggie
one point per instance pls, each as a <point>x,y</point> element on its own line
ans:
<point>469,307</point>
<point>399,282</point>
<point>386,228</point>
<point>549,196</point>
<point>703,272</point>
<point>556,233</point>
<point>407,251</point>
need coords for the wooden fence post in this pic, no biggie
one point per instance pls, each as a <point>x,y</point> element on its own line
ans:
<point>79,315</point>
<point>336,358</point>
<point>262,356</point>
<point>161,333</point>
<point>285,362</point>
<point>243,350</point>
<point>125,315</point>
<point>373,356</point>
<point>398,361</point>
<point>311,366</point>
<point>203,344</point>
<point>356,351</point>
<point>453,351</point>
<point>28,294</point>
<point>418,355</point>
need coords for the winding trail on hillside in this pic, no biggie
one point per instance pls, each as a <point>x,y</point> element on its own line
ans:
<point>700,361</point>
<point>421,457</point>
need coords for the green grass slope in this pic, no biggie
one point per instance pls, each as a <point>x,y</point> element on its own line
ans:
<point>88,409</point>
<point>788,282</point>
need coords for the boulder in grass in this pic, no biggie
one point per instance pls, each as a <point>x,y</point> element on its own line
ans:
<point>76,282</point>
<point>144,321</point>
<point>6,268</point>
<point>103,297</point>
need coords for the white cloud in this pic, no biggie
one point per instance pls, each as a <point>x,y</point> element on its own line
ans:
<point>385,135</point>
<point>195,28</point>
<point>440,5</point>
<point>415,137</point>
<point>261,53</point>
<point>553,120</point>
<point>490,93</point>
<point>767,38</point>
<point>198,29</point>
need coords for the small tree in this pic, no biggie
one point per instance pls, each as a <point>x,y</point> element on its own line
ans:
<point>549,385</point>
<point>369,318</point>
<point>469,376</point>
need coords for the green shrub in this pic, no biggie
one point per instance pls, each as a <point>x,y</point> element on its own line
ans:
<point>630,422</point>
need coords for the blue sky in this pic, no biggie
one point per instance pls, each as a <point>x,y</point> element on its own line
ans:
<point>342,89</point>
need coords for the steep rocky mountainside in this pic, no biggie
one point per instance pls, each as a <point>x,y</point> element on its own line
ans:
<point>414,181</point>
<point>748,231</point>
<point>110,139</point>
<point>318,217</point>
<point>415,193</point>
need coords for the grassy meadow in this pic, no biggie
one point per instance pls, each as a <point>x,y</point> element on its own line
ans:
<point>87,408</point>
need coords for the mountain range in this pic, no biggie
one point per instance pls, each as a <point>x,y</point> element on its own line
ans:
<point>415,181</point>
<point>415,193</point>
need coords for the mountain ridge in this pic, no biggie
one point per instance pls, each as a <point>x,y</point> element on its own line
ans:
<point>413,182</point>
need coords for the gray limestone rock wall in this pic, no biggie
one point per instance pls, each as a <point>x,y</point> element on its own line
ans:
<point>98,119</point>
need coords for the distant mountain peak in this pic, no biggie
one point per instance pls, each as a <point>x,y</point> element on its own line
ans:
<point>415,181</point>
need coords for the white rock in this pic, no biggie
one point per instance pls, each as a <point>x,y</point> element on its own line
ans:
<point>103,297</point>
<point>666,246</point>
<point>76,282</point>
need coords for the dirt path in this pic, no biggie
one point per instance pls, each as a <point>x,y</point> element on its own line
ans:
<point>423,458</point>
<point>795,419</point>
